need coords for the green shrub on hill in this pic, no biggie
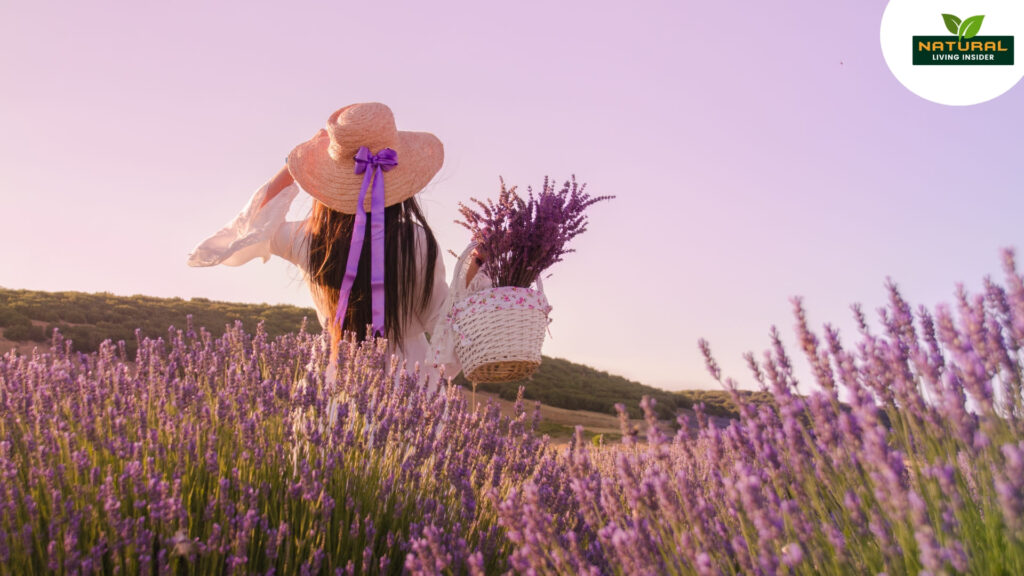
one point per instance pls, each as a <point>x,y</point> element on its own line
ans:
<point>25,331</point>
<point>718,402</point>
<point>8,317</point>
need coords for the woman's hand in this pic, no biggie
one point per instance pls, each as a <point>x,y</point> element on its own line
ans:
<point>476,261</point>
<point>280,181</point>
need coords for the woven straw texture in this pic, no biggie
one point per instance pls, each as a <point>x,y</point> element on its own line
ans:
<point>507,371</point>
<point>501,345</point>
<point>325,167</point>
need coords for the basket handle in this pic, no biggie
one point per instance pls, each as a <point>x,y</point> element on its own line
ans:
<point>458,287</point>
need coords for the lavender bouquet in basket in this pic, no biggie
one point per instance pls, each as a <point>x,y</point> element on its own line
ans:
<point>523,237</point>
<point>496,333</point>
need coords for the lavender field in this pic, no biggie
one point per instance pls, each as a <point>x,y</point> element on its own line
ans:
<point>236,455</point>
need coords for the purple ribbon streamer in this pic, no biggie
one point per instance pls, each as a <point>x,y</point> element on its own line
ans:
<point>380,162</point>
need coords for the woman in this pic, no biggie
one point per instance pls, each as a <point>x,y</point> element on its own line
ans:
<point>368,255</point>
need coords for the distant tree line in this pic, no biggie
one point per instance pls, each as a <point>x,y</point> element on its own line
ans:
<point>89,319</point>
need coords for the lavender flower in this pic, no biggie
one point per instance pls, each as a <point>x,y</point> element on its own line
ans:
<point>238,455</point>
<point>524,237</point>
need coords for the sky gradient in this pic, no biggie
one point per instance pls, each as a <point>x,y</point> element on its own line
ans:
<point>757,151</point>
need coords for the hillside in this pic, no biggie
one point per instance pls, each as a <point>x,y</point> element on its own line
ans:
<point>27,319</point>
<point>88,319</point>
<point>565,384</point>
<point>572,386</point>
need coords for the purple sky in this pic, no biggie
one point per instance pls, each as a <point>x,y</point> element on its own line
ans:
<point>758,151</point>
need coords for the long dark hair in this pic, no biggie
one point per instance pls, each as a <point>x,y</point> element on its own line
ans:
<point>405,291</point>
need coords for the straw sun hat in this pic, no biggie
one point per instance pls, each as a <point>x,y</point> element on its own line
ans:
<point>325,167</point>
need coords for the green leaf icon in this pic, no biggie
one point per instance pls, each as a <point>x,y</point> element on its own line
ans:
<point>952,23</point>
<point>969,28</point>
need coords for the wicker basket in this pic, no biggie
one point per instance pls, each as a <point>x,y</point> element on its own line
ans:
<point>500,330</point>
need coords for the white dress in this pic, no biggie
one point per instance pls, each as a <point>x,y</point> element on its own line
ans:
<point>260,232</point>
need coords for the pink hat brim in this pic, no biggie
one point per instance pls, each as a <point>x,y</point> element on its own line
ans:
<point>335,183</point>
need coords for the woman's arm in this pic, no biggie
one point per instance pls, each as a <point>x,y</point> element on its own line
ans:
<point>258,231</point>
<point>280,181</point>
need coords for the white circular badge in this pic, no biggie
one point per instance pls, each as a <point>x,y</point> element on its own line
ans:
<point>955,52</point>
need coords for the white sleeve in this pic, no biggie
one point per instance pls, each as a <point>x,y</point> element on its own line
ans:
<point>256,232</point>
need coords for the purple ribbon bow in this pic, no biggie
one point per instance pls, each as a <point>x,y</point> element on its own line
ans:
<point>372,166</point>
